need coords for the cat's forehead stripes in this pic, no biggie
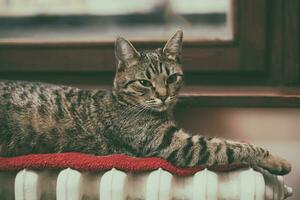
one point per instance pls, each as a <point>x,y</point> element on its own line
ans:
<point>167,70</point>
<point>156,66</point>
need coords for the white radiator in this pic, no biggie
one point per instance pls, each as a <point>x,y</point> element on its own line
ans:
<point>69,184</point>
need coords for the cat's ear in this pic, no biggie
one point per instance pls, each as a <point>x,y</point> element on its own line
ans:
<point>173,47</point>
<point>125,53</point>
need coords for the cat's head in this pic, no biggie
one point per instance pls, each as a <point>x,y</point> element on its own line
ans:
<point>152,78</point>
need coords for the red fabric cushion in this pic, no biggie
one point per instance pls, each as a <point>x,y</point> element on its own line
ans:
<point>86,162</point>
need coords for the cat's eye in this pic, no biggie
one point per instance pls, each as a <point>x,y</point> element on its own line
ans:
<point>145,83</point>
<point>172,79</point>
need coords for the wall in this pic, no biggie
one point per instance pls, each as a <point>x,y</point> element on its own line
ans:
<point>276,129</point>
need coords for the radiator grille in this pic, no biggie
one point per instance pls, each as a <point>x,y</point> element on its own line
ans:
<point>70,184</point>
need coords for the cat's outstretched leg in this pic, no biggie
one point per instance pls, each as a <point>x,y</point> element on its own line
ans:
<point>182,149</point>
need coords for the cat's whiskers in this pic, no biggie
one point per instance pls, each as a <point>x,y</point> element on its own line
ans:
<point>135,116</point>
<point>171,98</point>
<point>150,101</point>
<point>132,113</point>
<point>128,114</point>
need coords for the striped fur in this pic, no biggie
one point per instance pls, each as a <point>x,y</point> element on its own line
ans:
<point>134,119</point>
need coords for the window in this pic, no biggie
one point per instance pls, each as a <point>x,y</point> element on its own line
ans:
<point>103,20</point>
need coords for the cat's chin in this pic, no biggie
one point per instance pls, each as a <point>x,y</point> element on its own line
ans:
<point>160,108</point>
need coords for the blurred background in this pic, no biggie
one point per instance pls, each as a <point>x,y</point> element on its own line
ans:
<point>241,58</point>
<point>104,20</point>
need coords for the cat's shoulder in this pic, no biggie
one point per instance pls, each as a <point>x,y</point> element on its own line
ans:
<point>42,87</point>
<point>14,84</point>
<point>24,84</point>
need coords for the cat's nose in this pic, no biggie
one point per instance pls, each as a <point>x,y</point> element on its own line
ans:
<point>161,93</point>
<point>163,98</point>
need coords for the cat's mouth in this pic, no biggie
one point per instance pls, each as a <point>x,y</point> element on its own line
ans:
<point>159,107</point>
<point>158,104</point>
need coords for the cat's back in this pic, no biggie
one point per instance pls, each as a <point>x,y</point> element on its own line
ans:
<point>43,99</point>
<point>34,116</point>
<point>20,93</point>
<point>44,108</point>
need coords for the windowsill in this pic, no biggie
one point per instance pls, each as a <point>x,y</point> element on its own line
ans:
<point>235,96</point>
<point>263,91</point>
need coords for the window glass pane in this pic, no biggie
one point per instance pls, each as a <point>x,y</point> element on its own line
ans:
<point>105,19</point>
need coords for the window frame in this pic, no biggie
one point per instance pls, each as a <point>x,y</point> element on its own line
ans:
<point>247,59</point>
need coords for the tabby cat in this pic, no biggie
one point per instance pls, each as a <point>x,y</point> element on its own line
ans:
<point>134,118</point>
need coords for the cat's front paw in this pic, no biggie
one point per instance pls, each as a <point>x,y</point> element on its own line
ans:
<point>275,165</point>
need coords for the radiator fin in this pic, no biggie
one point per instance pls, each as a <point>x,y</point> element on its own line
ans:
<point>69,184</point>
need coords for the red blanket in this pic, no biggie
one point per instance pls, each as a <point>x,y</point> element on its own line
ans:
<point>86,162</point>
